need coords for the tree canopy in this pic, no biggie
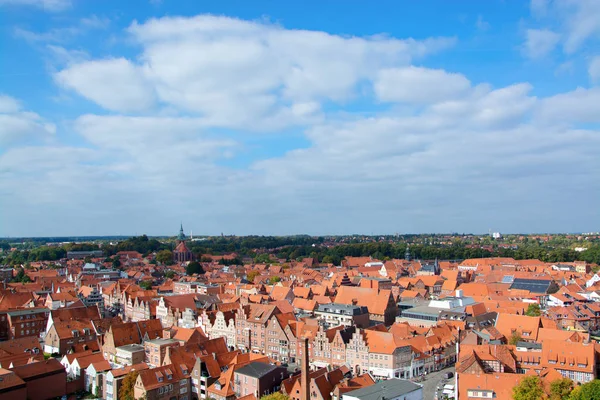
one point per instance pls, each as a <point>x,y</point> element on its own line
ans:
<point>194,268</point>
<point>587,391</point>
<point>146,285</point>
<point>165,257</point>
<point>533,310</point>
<point>127,386</point>
<point>251,275</point>
<point>560,389</point>
<point>530,388</point>
<point>515,338</point>
<point>275,396</point>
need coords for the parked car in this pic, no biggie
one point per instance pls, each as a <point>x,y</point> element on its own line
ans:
<point>448,375</point>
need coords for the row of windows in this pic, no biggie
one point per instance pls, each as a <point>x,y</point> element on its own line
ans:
<point>165,389</point>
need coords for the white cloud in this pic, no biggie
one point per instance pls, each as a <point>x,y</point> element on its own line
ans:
<point>64,33</point>
<point>61,56</point>
<point>594,69</point>
<point>95,22</point>
<point>488,108</point>
<point>17,125</point>
<point>402,171</point>
<point>539,8</point>
<point>578,106</point>
<point>115,84</point>
<point>582,21</point>
<point>48,5</point>
<point>540,42</point>
<point>449,156</point>
<point>52,35</point>
<point>482,24</point>
<point>576,21</point>
<point>419,85</point>
<point>237,73</point>
<point>9,104</point>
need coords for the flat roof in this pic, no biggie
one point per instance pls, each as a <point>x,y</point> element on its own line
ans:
<point>27,311</point>
<point>160,341</point>
<point>256,369</point>
<point>424,310</point>
<point>390,389</point>
<point>346,309</point>
<point>131,347</point>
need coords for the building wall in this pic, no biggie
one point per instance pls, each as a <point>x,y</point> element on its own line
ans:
<point>220,328</point>
<point>276,344</point>
<point>27,325</point>
<point>47,387</point>
<point>14,394</point>
<point>155,353</point>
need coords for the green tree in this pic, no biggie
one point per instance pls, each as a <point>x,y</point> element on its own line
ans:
<point>274,279</point>
<point>327,260</point>
<point>165,257</point>
<point>146,285</point>
<point>169,274</point>
<point>515,338</point>
<point>275,396</point>
<point>533,310</point>
<point>126,389</point>
<point>263,258</point>
<point>194,268</point>
<point>250,276</point>
<point>588,391</point>
<point>21,276</point>
<point>530,388</point>
<point>560,389</point>
<point>116,263</point>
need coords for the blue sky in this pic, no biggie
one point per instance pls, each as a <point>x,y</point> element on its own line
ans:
<point>271,117</point>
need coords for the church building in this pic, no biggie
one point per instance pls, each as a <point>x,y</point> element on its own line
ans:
<point>182,253</point>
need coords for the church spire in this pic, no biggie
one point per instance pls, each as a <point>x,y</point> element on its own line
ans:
<point>181,235</point>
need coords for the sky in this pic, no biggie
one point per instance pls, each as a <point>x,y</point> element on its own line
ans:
<point>312,117</point>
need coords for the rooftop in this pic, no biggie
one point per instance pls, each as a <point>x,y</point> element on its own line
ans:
<point>389,389</point>
<point>256,369</point>
<point>161,341</point>
<point>131,347</point>
<point>346,309</point>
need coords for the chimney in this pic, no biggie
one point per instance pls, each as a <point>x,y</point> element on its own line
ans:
<point>304,379</point>
<point>249,340</point>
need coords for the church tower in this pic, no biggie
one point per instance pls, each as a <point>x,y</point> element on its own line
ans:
<point>181,236</point>
<point>181,253</point>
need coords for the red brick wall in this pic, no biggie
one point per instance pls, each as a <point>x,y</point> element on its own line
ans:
<point>19,394</point>
<point>54,385</point>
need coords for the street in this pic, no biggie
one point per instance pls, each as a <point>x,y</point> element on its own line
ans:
<point>432,380</point>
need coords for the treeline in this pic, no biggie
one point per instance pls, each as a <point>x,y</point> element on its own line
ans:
<point>141,244</point>
<point>383,251</point>
<point>297,247</point>
<point>247,245</point>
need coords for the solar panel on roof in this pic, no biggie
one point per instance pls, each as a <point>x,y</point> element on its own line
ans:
<point>532,285</point>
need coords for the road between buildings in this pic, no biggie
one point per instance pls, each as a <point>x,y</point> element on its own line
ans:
<point>432,380</point>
